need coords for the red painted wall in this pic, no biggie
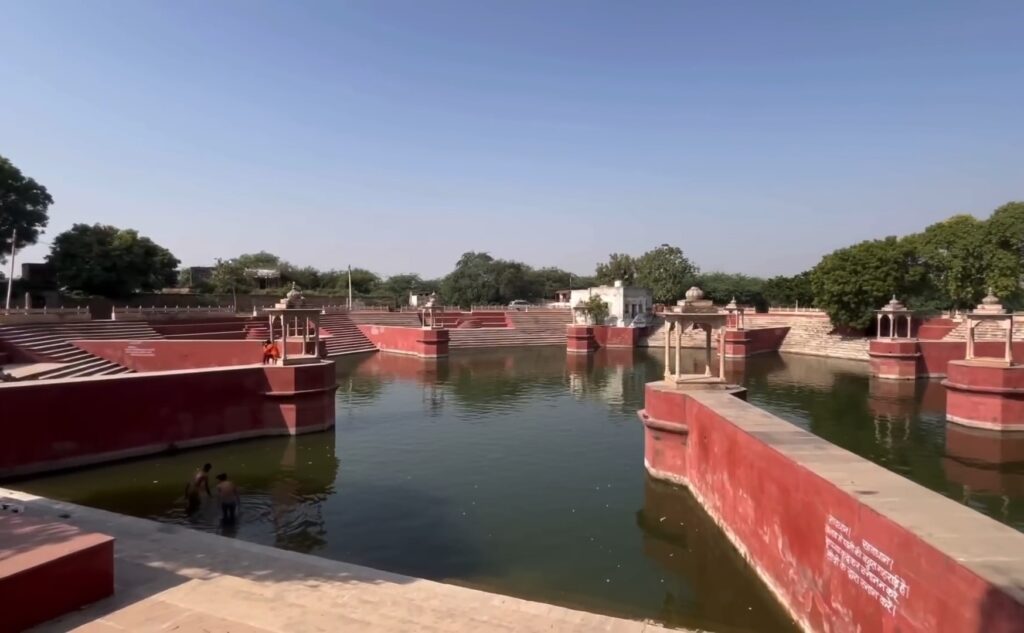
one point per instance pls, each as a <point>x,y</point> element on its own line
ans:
<point>743,343</point>
<point>608,336</point>
<point>218,328</point>
<point>773,488</point>
<point>163,355</point>
<point>54,424</point>
<point>935,329</point>
<point>408,340</point>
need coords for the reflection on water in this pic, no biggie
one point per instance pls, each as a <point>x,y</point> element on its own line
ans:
<point>521,472</point>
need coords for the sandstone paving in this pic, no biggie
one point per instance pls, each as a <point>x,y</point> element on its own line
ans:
<point>170,578</point>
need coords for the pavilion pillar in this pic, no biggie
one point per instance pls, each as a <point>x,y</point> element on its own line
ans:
<point>669,326</point>
<point>969,354</point>
<point>1009,340</point>
<point>707,350</point>
<point>316,334</point>
<point>679,346</point>
<point>721,352</point>
<point>284,340</point>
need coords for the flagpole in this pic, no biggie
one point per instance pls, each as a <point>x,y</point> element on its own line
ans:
<point>350,287</point>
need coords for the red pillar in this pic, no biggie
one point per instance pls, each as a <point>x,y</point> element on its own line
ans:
<point>580,339</point>
<point>432,343</point>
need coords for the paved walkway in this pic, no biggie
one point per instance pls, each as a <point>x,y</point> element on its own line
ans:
<point>175,579</point>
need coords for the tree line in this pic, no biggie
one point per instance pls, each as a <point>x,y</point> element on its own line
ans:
<point>949,265</point>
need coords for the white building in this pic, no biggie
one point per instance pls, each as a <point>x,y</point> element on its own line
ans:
<point>624,302</point>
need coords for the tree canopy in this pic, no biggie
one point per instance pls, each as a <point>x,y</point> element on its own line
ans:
<point>852,282</point>
<point>111,262</point>
<point>666,272</point>
<point>789,291</point>
<point>949,265</point>
<point>24,204</point>
<point>619,266</point>
<point>723,287</point>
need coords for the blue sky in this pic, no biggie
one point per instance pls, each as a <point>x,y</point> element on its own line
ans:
<point>396,135</point>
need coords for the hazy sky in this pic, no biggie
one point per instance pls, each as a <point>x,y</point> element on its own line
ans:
<point>396,135</point>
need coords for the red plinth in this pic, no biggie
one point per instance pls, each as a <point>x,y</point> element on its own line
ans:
<point>985,395</point>
<point>49,569</point>
<point>894,359</point>
<point>432,343</point>
<point>579,339</point>
<point>744,343</point>
<point>414,341</point>
<point>607,336</point>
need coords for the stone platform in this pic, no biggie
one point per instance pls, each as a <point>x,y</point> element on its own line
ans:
<point>171,578</point>
<point>49,568</point>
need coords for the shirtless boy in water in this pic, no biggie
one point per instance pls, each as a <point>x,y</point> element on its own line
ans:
<point>227,491</point>
<point>199,482</point>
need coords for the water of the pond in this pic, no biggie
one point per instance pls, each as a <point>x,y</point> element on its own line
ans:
<point>522,472</point>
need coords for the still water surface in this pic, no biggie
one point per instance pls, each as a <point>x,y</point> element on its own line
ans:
<point>522,472</point>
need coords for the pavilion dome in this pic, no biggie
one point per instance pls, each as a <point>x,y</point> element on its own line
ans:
<point>694,294</point>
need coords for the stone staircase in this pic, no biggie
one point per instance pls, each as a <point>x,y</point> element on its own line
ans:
<point>400,319</point>
<point>52,342</point>
<point>345,336</point>
<point>527,329</point>
<point>547,326</point>
<point>987,331</point>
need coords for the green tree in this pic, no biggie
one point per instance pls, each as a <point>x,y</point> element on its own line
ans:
<point>231,276</point>
<point>597,309</point>
<point>666,272</point>
<point>111,262</point>
<point>723,287</point>
<point>306,278</point>
<point>23,208</point>
<point>852,282</point>
<point>957,258</point>
<point>515,280</point>
<point>472,281</point>
<point>618,266</point>
<point>399,287</point>
<point>789,291</point>
<point>364,282</point>
<point>1005,230</point>
<point>547,281</point>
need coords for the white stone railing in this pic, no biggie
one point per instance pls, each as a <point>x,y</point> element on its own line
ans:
<point>794,309</point>
<point>80,310</point>
<point>140,310</point>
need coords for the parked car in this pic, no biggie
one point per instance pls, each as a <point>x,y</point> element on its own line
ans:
<point>518,304</point>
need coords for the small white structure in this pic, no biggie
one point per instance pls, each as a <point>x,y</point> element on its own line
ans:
<point>624,302</point>
<point>418,300</point>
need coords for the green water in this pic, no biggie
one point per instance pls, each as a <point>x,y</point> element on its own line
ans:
<point>522,472</point>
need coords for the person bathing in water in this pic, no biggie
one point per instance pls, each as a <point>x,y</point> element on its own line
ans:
<point>227,491</point>
<point>199,482</point>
